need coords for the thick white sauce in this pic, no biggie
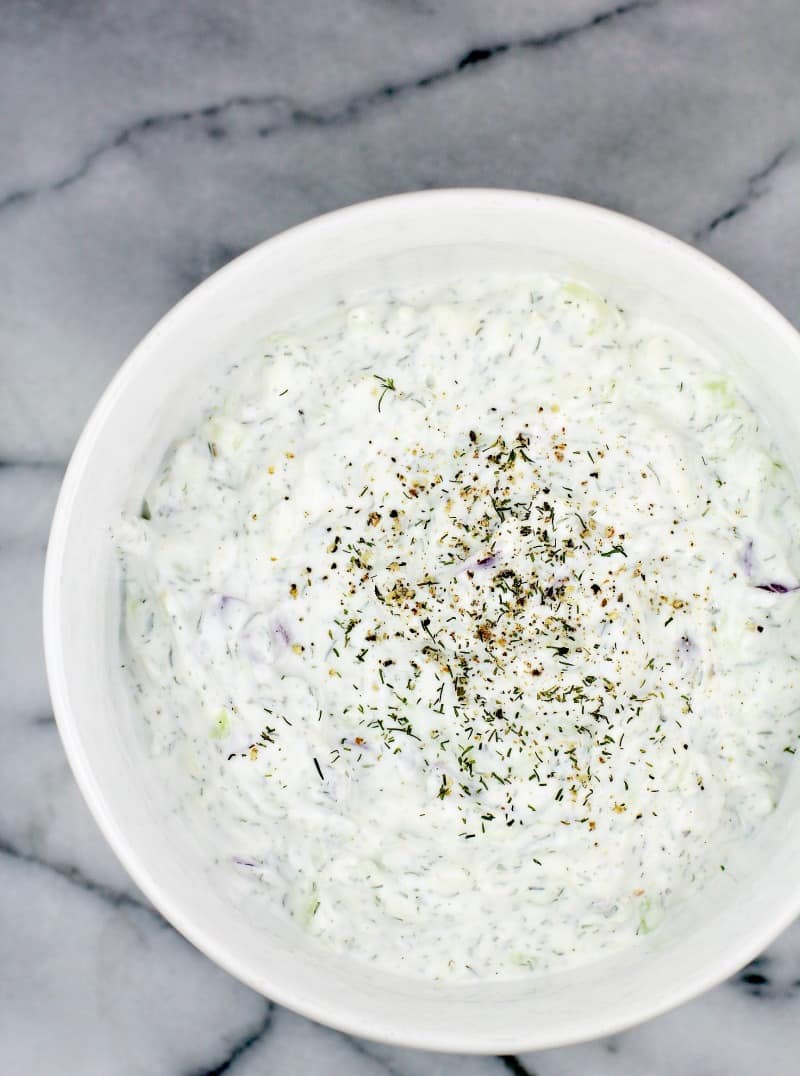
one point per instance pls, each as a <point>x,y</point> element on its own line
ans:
<point>468,626</point>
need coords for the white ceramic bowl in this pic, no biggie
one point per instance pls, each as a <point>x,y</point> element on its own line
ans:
<point>155,396</point>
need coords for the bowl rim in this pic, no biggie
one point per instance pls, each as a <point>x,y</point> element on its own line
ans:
<point>327,1010</point>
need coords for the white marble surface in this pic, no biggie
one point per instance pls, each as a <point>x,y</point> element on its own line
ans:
<point>146,144</point>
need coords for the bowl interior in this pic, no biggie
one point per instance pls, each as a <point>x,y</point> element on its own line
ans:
<point>157,395</point>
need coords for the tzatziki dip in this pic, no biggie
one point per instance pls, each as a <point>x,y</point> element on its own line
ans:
<point>466,624</point>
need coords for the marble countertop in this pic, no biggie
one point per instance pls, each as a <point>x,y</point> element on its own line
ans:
<point>147,144</point>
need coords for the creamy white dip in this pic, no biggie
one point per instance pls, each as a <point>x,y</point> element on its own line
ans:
<point>468,625</point>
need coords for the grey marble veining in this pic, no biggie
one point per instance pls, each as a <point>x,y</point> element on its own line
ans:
<point>146,144</point>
